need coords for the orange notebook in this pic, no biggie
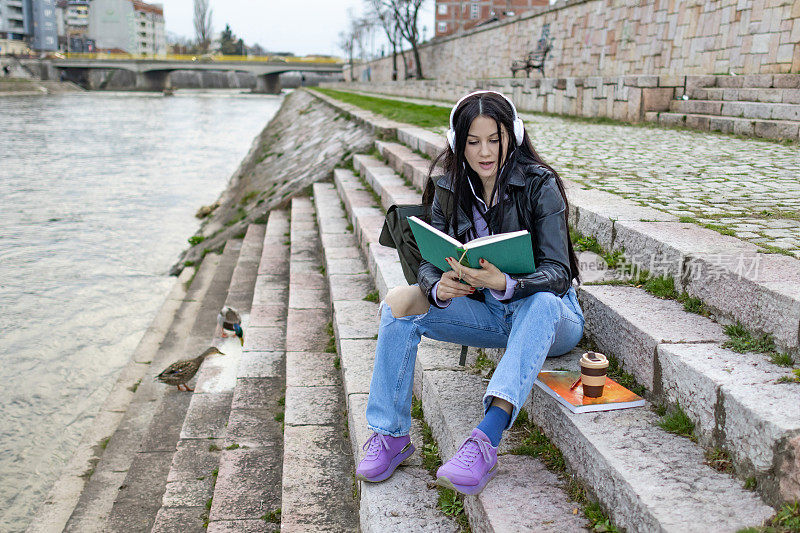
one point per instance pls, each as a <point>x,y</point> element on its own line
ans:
<point>615,396</point>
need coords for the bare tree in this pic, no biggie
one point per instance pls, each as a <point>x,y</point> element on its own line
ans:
<point>202,24</point>
<point>347,44</point>
<point>355,38</point>
<point>385,17</point>
<point>406,12</point>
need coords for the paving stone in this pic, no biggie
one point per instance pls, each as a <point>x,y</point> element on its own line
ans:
<point>355,319</point>
<point>268,315</point>
<point>357,357</point>
<point>316,492</point>
<point>308,275</point>
<point>188,493</point>
<point>312,405</point>
<point>385,267</point>
<point>254,428</point>
<point>179,520</point>
<point>404,502</point>
<point>629,323</point>
<point>166,422</point>
<point>305,330</point>
<point>243,526</point>
<point>350,286</point>
<point>207,416</point>
<point>264,339</point>
<point>310,369</point>
<point>255,393</point>
<point>338,240</point>
<point>521,498</point>
<point>245,484</point>
<point>193,458</point>
<point>308,298</point>
<point>260,364</point>
<point>353,265</point>
<point>139,499</point>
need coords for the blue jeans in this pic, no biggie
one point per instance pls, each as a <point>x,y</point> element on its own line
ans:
<point>530,329</point>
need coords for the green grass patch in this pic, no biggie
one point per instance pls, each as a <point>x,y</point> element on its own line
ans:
<point>233,446</point>
<point>416,409</point>
<point>451,503</point>
<point>337,363</point>
<point>693,305</point>
<point>104,443</point>
<point>770,249</point>
<point>349,227</point>
<point>750,483</point>
<point>321,269</point>
<point>135,386</point>
<point>372,297</point>
<point>742,341</point>
<point>213,448</point>
<point>240,215</point>
<point>247,198</point>
<point>794,377</point>
<point>279,417</point>
<point>331,346</point>
<point>678,422</point>
<point>598,521</point>
<point>720,229</point>
<point>536,444</point>
<point>662,286</point>
<point>424,116</point>
<point>616,371</point>
<point>484,365</point>
<point>582,243</point>
<point>719,460</point>
<point>196,239</point>
<point>272,517</point>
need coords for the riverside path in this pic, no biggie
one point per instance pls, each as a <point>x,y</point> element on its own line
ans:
<point>746,186</point>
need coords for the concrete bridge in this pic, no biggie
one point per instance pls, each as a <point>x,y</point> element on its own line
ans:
<point>153,74</point>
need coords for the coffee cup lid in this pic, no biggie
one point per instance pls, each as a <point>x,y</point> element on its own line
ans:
<point>594,360</point>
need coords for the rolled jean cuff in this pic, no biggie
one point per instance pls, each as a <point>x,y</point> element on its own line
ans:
<point>496,394</point>
<point>390,433</point>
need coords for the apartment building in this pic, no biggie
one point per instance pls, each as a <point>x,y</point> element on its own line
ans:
<point>455,16</point>
<point>128,26</point>
<point>27,25</point>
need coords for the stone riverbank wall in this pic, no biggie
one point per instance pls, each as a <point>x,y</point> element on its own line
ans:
<point>611,38</point>
<point>301,145</point>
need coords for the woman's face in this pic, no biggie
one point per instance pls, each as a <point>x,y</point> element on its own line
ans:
<point>482,150</point>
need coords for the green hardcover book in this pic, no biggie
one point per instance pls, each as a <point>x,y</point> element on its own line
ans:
<point>511,252</point>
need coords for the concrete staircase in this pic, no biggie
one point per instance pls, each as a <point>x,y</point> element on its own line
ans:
<point>765,106</point>
<point>645,478</point>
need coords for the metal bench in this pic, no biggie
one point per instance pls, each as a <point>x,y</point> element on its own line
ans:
<point>534,61</point>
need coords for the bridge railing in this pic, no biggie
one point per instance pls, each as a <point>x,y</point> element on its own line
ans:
<point>202,58</point>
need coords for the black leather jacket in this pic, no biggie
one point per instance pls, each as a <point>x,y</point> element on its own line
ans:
<point>532,194</point>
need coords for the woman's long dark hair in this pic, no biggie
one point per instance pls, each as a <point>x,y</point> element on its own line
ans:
<point>455,165</point>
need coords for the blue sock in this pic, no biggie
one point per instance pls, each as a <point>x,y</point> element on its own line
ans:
<point>494,423</point>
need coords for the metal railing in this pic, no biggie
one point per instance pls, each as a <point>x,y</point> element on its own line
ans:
<point>201,58</point>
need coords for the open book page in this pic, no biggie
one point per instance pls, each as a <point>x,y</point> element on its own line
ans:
<point>440,233</point>
<point>488,239</point>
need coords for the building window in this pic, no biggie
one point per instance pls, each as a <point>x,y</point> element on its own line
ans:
<point>474,11</point>
<point>442,27</point>
<point>443,9</point>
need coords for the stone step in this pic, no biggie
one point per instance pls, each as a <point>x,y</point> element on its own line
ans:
<point>500,507</point>
<point>738,109</point>
<point>725,272</point>
<point>785,95</point>
<point>140,495</point>
<point>318,479</point>
<point>249,461</point>
<point>406,501</point>
<point>635,333</point>
<point>734,399</point>
<point>189,483</point>
<point>768,129</point>
<point>622,483</point>
<point>97,496</point>
<point>67,491</point>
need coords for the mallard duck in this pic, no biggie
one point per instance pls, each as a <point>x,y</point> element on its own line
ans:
<point>230,319</point>
<point>181,372</point>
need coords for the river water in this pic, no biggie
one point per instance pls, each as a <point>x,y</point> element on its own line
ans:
<point>97,197</point>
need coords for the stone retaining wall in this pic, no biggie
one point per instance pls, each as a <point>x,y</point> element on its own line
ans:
<point>612,38</point>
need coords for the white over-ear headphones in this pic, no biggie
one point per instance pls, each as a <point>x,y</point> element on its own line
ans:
<point>519,129</point>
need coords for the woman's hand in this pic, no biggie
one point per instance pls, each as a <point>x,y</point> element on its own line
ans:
<point>488,275</point>
<point>450,287</point>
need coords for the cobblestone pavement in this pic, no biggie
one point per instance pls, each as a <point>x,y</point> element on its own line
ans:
<point>746,186</point>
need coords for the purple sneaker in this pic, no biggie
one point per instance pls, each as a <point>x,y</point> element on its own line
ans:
<point>384,453</point>
<point>473,465</point>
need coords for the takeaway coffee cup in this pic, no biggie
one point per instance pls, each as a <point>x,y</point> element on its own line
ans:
<point>594,366</point>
